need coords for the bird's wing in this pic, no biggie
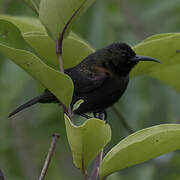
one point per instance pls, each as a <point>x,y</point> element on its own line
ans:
<point>83,82</point>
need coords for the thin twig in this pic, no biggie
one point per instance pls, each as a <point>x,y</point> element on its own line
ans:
<point>59,48</point>
<point>61,69</point>
<point>61,37</point>
<point>55,137</point>
<point>98,159</point>
<point>122,119</point>
<point>1,175</point>
<point>60,64</point>
<point>96,166</point>
<point>59,52</point>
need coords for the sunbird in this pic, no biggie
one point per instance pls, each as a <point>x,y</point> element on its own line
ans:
<point>100,79</point>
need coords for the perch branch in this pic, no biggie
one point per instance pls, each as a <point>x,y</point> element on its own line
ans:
<point>55,137</point>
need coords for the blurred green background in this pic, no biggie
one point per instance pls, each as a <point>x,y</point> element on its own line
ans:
<point>25,139</point>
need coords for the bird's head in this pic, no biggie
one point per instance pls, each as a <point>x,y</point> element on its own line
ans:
<point>119,58</point>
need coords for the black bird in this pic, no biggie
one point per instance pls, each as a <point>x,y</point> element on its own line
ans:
<point>100,79</point>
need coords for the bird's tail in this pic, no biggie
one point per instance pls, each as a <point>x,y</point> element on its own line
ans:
<point>46,97</point>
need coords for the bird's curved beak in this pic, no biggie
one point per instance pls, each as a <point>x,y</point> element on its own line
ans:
<point>144,58</point>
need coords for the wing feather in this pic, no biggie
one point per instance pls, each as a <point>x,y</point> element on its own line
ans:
<point>84,82</point>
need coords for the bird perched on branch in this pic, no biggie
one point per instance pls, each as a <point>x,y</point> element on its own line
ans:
<point>100,79</point>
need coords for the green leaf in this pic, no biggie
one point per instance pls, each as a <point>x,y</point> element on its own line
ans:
<point>87,140</point>
<point>169,76</point>
<point>78,48</point>
<point>163,49</point>
<point>158,36</point>
<point>55,14</point>
<point>141,146</point>
<point>36,36</point>
<point>11,36</point>
<point>25,24</point>
<point>13,45</point>
<point>77,104</point>
<point>34,4</point>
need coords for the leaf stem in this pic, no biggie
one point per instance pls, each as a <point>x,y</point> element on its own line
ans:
<point>55,137</point>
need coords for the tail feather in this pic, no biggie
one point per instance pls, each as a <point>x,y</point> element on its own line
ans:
<point>26,105</point>
<point>46,97</point>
